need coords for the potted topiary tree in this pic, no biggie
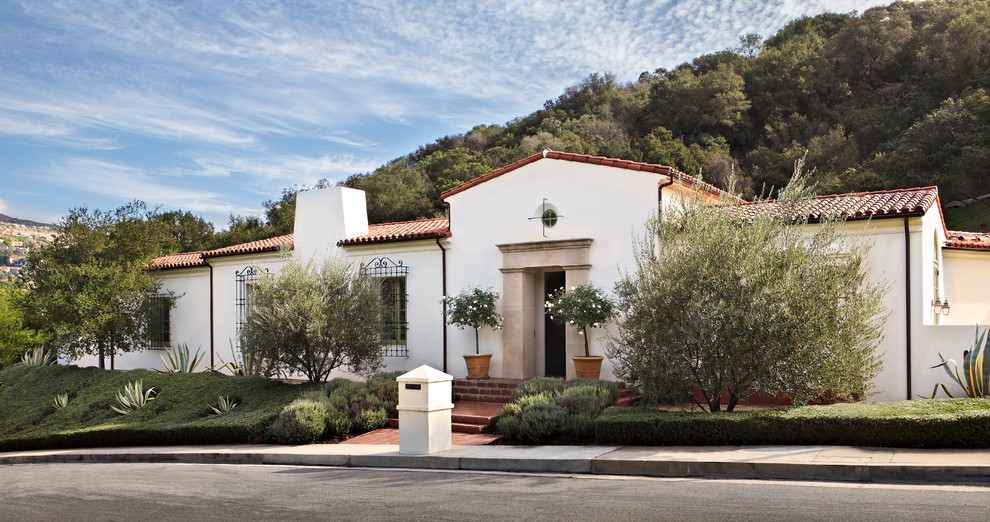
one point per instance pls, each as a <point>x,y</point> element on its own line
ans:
<point>582,306</point>
<point>475,308</point>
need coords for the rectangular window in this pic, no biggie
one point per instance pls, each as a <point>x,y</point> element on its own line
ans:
<point>392,277</point>
<point>394,317</point>
<point>160,322</point>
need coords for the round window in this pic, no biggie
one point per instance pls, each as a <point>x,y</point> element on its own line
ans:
<point>549,217</point>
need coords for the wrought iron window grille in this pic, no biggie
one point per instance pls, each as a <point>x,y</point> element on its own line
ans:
<point>244,280</point>
<point>395,325</point>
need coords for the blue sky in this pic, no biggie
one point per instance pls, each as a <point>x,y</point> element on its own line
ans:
<point>215,107</point>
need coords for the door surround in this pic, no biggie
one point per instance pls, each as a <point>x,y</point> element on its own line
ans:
<point>522,304</point>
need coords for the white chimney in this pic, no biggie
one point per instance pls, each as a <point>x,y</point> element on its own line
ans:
<point>325,216</point>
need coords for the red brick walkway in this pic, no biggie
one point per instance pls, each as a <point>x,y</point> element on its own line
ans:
<point>391,436</point>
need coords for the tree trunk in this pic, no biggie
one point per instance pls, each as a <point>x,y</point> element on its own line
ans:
<point>587,352</point>
<point>101,355</point>
<point>477,347</point>
<point>733,400</point>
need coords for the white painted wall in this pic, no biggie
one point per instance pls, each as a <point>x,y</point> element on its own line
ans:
<point>610,205</point>
<point>967,286</point>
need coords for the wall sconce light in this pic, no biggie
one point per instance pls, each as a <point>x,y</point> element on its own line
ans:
<point>940,307</point>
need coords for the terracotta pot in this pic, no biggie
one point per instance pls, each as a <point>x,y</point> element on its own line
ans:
<point>588,367</point>
<point>477,365</point>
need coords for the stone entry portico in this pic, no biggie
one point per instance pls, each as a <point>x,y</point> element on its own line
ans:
<point>522,302</point>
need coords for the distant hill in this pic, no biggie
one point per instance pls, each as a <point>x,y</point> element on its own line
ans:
<point>4,218</point>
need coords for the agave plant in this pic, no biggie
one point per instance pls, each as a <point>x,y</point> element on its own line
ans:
<point>179,360</point>
<point>224,404</point>
<point>38,357</point>
<point>60,401</point>
<point>975,378</point>
<point>133,397</point>
<point>241,365</point>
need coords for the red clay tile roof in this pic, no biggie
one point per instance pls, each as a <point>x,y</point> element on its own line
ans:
<point>262,245</point>
<point>377,233</point>
<point>594,160</point>
<point>858,205</point>
<point>183,260</point>
<point>968,240</point>
<point>190,259</point>
<point>401,231</point>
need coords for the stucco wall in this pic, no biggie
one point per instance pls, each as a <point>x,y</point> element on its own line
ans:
<point>608,205</point>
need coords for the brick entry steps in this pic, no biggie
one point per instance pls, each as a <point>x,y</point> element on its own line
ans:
<point>468,416</point>
<point>485,390</point>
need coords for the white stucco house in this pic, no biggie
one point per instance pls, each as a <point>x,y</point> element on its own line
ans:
<point>556,219</point>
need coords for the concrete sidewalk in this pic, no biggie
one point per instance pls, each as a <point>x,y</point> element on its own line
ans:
<point>830,463</point>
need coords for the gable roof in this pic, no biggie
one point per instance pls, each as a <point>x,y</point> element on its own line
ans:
<point>402,231</point>
<point>377,233</point>
<point>594,160</point>
<point>856,205</point>
<point>967,240</point>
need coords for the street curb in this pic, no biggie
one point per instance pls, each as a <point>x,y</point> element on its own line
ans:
<point>883,473</point>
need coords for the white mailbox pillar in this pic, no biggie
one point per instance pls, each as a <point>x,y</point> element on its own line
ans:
<point>424,411</point>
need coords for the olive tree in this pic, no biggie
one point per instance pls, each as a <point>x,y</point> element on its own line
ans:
<point>313,319</point>
<point>727,298</point>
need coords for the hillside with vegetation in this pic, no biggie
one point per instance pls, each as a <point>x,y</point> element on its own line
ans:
<point>895,97</point>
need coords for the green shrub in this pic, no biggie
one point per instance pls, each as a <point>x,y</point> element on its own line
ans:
<point>302,422</point>
<point>537,385</point>
<point>590,400</point>
<point>368,420</point>
<point>931,423</point>
<point>512,409</point>
<point>539,398</point>
<point>581,425</point>
<point>338,423</point>
<point>508,426</point>
<point>541,422</point>
<point>337,382</point>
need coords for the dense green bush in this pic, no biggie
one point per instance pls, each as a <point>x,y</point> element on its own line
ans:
<point>552,385</point>
<point>346,407</point>
<point>369,420</point>
<point>932,423</point>
<point>302,422</point>
<point>541,422</point>
<point>544,407</point>
<point>590,399</point>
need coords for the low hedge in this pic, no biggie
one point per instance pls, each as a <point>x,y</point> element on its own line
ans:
<point>931,423</point>
<point>180,414</point>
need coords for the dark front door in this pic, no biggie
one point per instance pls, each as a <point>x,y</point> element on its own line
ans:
<point>553,332</point>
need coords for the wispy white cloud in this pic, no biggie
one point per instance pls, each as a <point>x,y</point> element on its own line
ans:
<point>281,93</point>
<point>124,182</point>
<point>288,169</point>
<point>227,73</point>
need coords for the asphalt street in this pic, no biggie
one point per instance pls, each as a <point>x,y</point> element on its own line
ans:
<point>264,492</point>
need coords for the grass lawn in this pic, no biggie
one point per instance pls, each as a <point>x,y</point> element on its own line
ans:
<point>930,423</point>
<point>180,414</point>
